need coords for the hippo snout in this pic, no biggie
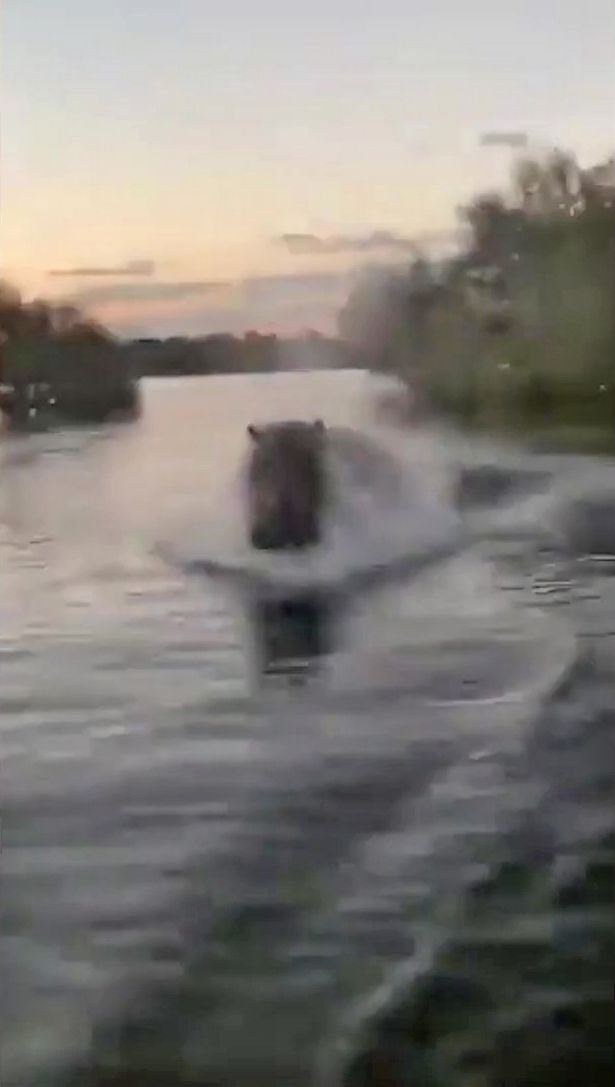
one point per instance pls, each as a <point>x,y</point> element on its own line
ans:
<point>284,537</point>
<point>265,540</point>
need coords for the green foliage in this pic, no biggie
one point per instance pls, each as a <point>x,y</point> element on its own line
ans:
<point>520,331</point>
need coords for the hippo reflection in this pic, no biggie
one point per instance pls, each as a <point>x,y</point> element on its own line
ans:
<point>292,634</point>
<point>286,485</point>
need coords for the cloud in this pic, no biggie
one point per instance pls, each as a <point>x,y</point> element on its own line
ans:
<point>287,287</point>
<point>304,244</point>
<point>130,268</point>
<point>201,318</point>
<point>282,303</point>
<point>156,291</point>
<point>371,242</point>
<point>503,139</point>
<point>254,289</point>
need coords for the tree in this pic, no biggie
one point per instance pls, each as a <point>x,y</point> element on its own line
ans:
<point>12,320</point>
<point>39,318</point>
<point>549,185</point>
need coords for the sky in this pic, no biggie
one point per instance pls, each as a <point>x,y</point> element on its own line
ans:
<point>185,166</point>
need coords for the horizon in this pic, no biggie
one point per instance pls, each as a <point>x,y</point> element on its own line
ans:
<point>173,172</point>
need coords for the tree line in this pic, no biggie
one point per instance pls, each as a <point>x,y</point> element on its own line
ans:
<point>56,362</point>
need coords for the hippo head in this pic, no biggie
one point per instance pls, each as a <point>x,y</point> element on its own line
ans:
<point>286,485</point>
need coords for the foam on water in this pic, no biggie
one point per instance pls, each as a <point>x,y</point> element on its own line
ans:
<point>382,510</point>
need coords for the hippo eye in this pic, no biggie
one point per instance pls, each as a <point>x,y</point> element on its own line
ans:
<point>254,432</point>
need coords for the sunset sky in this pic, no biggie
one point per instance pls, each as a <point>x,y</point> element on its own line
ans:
<point>161,150</point>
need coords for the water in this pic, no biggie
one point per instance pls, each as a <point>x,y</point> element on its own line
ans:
<point>249,878</point>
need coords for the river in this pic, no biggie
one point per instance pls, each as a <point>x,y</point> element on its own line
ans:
<point>390,865</point>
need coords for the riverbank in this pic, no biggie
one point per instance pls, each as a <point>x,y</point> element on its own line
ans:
<point>567,434</point>
<point>515,334</point>
<point>551,437</point>
<point>48,384</point>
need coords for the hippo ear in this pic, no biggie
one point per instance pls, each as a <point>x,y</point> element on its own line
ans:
<point>254,432</point>
<point>319,426</point>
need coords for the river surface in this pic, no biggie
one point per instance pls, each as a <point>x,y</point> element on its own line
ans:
<point>388,864</point>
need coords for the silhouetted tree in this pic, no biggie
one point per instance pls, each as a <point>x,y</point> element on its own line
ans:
<point>54,356</point>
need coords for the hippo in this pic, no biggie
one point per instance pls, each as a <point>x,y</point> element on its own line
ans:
<point>286,484</point>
